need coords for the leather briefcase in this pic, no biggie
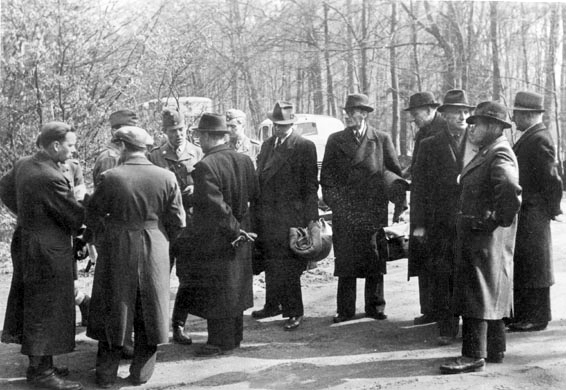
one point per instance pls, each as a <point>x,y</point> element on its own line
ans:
<point>392,242</point>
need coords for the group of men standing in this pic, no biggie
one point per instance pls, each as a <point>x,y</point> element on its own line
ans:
<point>480,236</point>
<point>199,208</point>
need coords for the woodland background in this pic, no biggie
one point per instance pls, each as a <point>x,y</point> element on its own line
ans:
<point>78,61</point>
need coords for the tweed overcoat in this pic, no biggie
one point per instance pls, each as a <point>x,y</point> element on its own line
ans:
<point>486,227</point>
<point>353,186</point>
<point>48,214</point>
<point>288,192</point>
<point>542,192</point>
<point>219,276</point>
<point>434,206</point>
<point>141,207</point>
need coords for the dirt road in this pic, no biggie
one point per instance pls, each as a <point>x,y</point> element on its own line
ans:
<point>361,354</point>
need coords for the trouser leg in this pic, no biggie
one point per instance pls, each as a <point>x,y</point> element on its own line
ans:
<point>346,296</point>
<point>374,294</point>
<point>222,332</point>
<point>145,354</point>
<point>425,291</point>
<point>496,342</point>
<point>272,302</point>
<point>283,286</point>
<point>238,329</point>
<point>442,297</point>
<point>474,338</point>
<point>181,309</point>
<point>39,366</point>
<point>107,362</point>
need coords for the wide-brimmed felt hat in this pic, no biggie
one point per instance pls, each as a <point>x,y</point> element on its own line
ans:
<point>421,99</point>
<point>133,135</point>
<point>212,123</point>
<point>455,98</point>
<point>358,100</point>
<point>528,101</point>
<point>283,113</point>
<point>172,119</point>
<point>123,118</point>
<point>493,111</point>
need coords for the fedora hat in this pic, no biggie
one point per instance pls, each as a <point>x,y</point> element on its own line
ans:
<point>528,101</point>
<point>493,111</point>
<point>172,119</point>
<point>133,135</point>
<point>455,98</point>
<point>212,123</point>
<point>283,113</point>
<point>421,99</point>
<point>358,100</point>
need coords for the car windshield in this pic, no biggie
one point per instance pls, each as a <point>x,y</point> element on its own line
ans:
<point>306,128</point>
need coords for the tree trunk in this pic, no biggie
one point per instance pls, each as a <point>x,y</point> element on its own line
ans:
<point>350,50</point>
<point>363,48</point>
<point>497,87</point>
<point>330,98</point>
<point>549,70</point>
<point>414,41</point>
<point>394,79</point>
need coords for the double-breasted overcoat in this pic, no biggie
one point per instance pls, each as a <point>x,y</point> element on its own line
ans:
<point>219,276</point>
<point>542,192</point>
<point>140,206</point>
<point>486,227</point>
<point>353,186</point>
<point>48,214</point>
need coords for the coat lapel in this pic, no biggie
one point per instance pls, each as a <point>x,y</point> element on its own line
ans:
<point>480,157</point>
<point>347,143</point>
<point>278,157</point>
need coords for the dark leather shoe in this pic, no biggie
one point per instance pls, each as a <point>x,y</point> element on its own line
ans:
<point>263,313</point>
<point>134,381</point>
<point>463,364</point>
<point>54,382</point>
<point>496,357</point>
<point>378,315</point>
<point>424,319</point>
<point>340,318</point>
<point>527,326</point>
<point>61,371</point>
<point>179,335</point>
<point>104,383</point>
<point>293,323</point>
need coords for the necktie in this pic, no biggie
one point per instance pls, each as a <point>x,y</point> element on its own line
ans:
<point>358,135</point>
<point>277,142</point>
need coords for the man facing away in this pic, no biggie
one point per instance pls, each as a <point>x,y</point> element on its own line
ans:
<point>48,215</point>
<point>141,209</point>
<point>542,193</point>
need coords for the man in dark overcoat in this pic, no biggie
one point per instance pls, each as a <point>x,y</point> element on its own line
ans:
<point>542,193</point>
<point>287,172</point>
<point>179,156</point>
<point>434,207</point>
<point>48,214</point>
<point>219,272</point>
<point>141,209</point>
<point>353,186</point>
<point>486,227</point>
<point>423,111</point>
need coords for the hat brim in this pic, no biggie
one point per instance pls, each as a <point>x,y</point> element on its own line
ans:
<point>528,109</point>
<point>213,130</point>
<point>443,107</point>
<point>472,120</point>
<point>179,126</point>
<point>281,122</point>
<point>365,108</point>
<point>422,105</point>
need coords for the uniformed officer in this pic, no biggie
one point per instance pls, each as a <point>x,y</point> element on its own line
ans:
<point>240,142</point>
<point>179,156</point>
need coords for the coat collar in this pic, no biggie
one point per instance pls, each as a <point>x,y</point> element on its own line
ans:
<point>219,148</point>
<point>528,134</point>
<point>275,159</point>
<point>357,152</point>
<point>137,160</point>
<point>169,153</point>
<point>482,155</point>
